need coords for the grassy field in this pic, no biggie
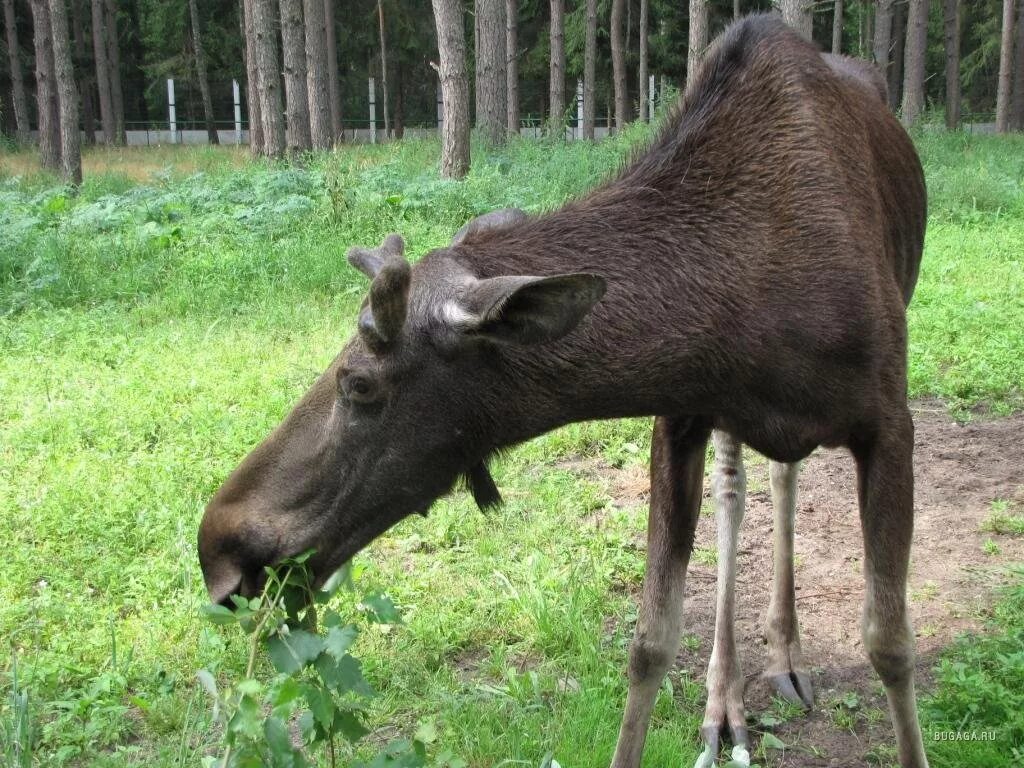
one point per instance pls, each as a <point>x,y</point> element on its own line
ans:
<point>158,325</point>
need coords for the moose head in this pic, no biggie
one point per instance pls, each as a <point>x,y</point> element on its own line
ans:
<point>418,398</point>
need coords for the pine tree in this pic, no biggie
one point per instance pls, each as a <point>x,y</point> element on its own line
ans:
<point>99,48</point>
<point>46,87</point>
<point>296,97</point>
<point>201,72</point>
<point>512,67</point>
<point>491,115</point>
<point>264,47</point>
<point>321,126</point>
<point>556,97</point>
<point>1005,69</point>
<point>951,30</point>
<point>589,70</point>
<point>451,46</point>
<point>67,95</point>
<point>913,64</point>
<point>19,99</point>
<point>619,66</point>
<point>698,41</point>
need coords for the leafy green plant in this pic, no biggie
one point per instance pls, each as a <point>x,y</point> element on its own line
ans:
<point>318,686</point>
<point>17,736</point>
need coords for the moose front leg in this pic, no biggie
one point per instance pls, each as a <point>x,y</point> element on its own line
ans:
<point>785,671</point>
<point>677,478</point>
<point>724,709</point>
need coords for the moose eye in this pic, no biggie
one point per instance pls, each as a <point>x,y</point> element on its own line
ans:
<point>358,387</point>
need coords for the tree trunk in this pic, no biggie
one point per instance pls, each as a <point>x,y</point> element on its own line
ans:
<point>491,114</point>
<point>589,70</point>
<point>1017,105</point>
<point>735,9</point>
<point>451,46</point>
<point>642,74</point>
<point>296,97</point>
<point>321,119</point>
<point>899,40</point>
<point>698,41</point>
<point>383,68</point>
<point>837,26</point>
<point>556,96</point>
<point>252,97</point>
<point>19,99</point>
<point>333,86</point>
<point>99,47</point>
<point>883,35</point>
<point>264,48</point>
<point>512,67</point>
<point>619,66</point>
<point>204,81</point>
<point>67,96</point>
<point>399,101</point>
<point>951,28</point>
<point>1005,70</point>
<point>797,13</point>
<point>114,61</point>
<point>82,66</point>
<point>913,64</point>
<point>46,93</point>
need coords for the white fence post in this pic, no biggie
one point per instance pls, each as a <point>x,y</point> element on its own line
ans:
<point>650,99</point>
<point>238,111</point>
<point>440,110</point>
<point>172,116</point>
<point>373,113</point>
<point>578,133</point>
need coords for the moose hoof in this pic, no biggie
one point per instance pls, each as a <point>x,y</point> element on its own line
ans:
<point>711,734</point>
<point>794,686</point>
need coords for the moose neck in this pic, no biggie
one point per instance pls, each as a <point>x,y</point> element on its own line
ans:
<point>653,345</point>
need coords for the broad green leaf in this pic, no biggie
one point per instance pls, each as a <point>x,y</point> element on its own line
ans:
<point>771,741</point>
<point>218,614</point>
<point>321,704</point>
<point>349,725</point>
<point>344,675</point>
<point>339,639</point>
<point>290,653</point>
<point>382,610</point>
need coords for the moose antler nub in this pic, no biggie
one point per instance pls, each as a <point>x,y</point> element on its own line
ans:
<point>382,320</point>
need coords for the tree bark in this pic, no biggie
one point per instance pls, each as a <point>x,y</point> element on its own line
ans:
<point>899,40</point>
<point>491,114</point>
<point>1017,105</point>
<point>399,117</point>
<point>735,9</point>
<point>252,97</point>
<point>296,94</point>
<point>619,66</point>
<point>883,35</point>
<point>67,95</point>
<point>82,66</point>
<point>643,74</point>
<point>296,97</point>
<point>698,41</point>
<point>333,86</point>
<point>19,100</point>
<point>837,26</point>
<point>556,96</point>
<point>46,93</point>
<point>951,29</point>
<point>589,70</point>
<point>321,119</point>
<point>383,68</point>
<point>913,61</point>
<point>1005,70</point>
<point>99,47</point>
<point>512,67</point>
<point>264,48</point>
<point>114,61</point>
<point>204,81</point>
<point>797,13</point>
<point>451,46</point>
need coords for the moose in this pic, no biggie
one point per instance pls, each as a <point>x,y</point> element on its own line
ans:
<point>745,276</point>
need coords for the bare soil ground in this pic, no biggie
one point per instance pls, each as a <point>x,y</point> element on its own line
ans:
<point>960,469</point>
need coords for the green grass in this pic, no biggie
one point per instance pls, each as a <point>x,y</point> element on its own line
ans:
<point>151,333</point>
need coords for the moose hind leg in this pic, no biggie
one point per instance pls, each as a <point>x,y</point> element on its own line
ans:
<point>677,476</point>
<point>785,671</point>
<point>886,491</point>
<point>725,678</point>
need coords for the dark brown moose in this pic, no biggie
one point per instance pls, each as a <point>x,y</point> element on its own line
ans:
<point>748,273</point>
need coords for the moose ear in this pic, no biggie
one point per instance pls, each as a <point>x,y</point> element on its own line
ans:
<point>530,310</point>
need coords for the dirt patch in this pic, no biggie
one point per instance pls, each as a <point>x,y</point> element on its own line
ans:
<point>960,469</point>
